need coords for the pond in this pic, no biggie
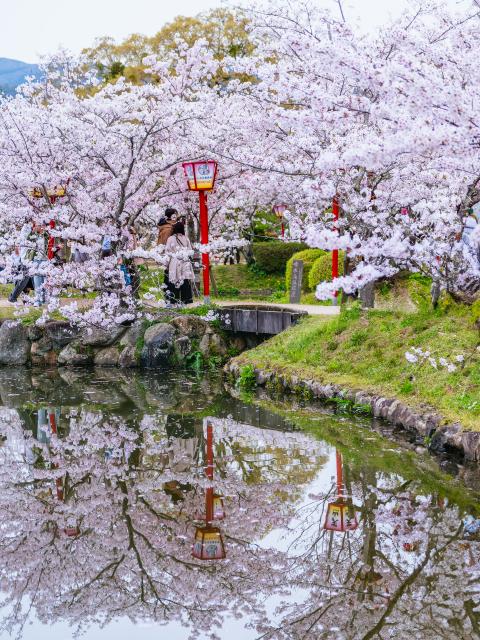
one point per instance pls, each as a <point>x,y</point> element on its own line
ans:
<point>162,503</point>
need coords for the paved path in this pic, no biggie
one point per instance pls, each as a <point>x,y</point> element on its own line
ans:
<point>82,302</point>
<point>311,309</point>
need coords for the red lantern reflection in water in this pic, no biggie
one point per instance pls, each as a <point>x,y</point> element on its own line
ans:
<point>208,544</point>
<point>341,514</point>
<point>71,530</point>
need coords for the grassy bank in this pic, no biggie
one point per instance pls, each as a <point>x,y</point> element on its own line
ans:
<point>366,350</point>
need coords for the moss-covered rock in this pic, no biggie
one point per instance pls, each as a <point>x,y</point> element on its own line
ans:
<point>76,353</point>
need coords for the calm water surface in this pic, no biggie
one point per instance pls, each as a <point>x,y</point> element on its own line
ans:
<point>317,525</point>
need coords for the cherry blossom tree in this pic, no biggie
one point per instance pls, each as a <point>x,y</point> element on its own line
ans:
<point>384,122</point>
<point>118,155</point>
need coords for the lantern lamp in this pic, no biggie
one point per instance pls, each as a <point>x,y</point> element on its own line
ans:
<point>208,544</point>
<point>279,210</point>
<point>56,192</point>
<point>341,516</point>
<point>200,175</point>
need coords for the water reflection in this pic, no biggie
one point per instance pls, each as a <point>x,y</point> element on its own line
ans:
<point>135,496</point>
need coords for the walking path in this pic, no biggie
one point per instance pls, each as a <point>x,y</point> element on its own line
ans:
<point>311,309</point>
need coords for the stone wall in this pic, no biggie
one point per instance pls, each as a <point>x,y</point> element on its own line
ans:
<point>442,437</point>
<point>168,340</point>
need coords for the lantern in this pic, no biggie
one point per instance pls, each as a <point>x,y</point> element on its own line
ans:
<point>71,531</point>
<point>279,210</point>
<point>341,516</point>
<point>200,175</point>
<point>208,544</point>
<point>56,192</point>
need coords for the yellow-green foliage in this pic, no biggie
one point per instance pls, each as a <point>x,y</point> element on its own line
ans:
<point>476,311</point>
<point>308,257</point>
<point>321,270</point>
<point>226,32</point>
<point>367,351</point>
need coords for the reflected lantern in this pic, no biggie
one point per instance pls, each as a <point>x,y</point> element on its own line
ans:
<point>72,531</point>
<point>56,192</point>
<point>208,544</point>
<point>200,175</point>
<point>341,516</point>
<point>218,507</point>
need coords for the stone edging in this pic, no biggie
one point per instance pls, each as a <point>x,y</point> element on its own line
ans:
<point>450,438</point>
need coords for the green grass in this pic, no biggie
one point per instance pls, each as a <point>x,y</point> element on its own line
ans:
<point>232,279</point>
<point>367,351</point>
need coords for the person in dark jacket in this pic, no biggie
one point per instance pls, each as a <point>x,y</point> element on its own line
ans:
<point>165,229</point>
<point>165,225</point>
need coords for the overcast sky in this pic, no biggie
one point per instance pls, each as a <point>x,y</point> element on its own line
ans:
<point>30,28</point>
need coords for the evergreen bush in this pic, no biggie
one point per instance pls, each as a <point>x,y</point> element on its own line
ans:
<point>272,257</point>
<point>308,257</point>
<point>321,270</point>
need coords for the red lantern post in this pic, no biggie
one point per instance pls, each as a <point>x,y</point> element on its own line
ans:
<point>208,544</point>
<point>341,514</point>
<point>209,474</point>
<point>335,211</point>
<point>279,210</point>
<point>52,195</point>
<point>201,177</point>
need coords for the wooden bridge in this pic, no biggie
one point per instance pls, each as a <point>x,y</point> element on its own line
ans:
<point>258,319</point>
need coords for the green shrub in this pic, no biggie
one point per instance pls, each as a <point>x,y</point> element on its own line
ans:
<point>272,257</point>
<point>476,311</point>
<point>308,257</point>
<point>321,270</point>
<point>247,380</point>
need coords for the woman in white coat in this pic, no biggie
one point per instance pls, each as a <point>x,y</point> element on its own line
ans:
<point>180,270</point>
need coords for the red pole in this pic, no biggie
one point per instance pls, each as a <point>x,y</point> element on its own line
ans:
<point>51,242</point>
<point>283,230</point>
<point>53,422</point>
<point>204,240</point>
<point>209,474</point>
<point>59,486</point>
<point>335,251</point>
<point>339,474</point>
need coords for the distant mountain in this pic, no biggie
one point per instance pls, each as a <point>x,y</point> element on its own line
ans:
<point>14,72</point>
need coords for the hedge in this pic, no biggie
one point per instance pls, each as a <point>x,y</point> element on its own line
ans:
<point>272,257</point>
<point>321,270</point>
<point>308,257</point>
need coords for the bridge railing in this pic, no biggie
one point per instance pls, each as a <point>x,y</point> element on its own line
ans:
<point>259,320</point>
